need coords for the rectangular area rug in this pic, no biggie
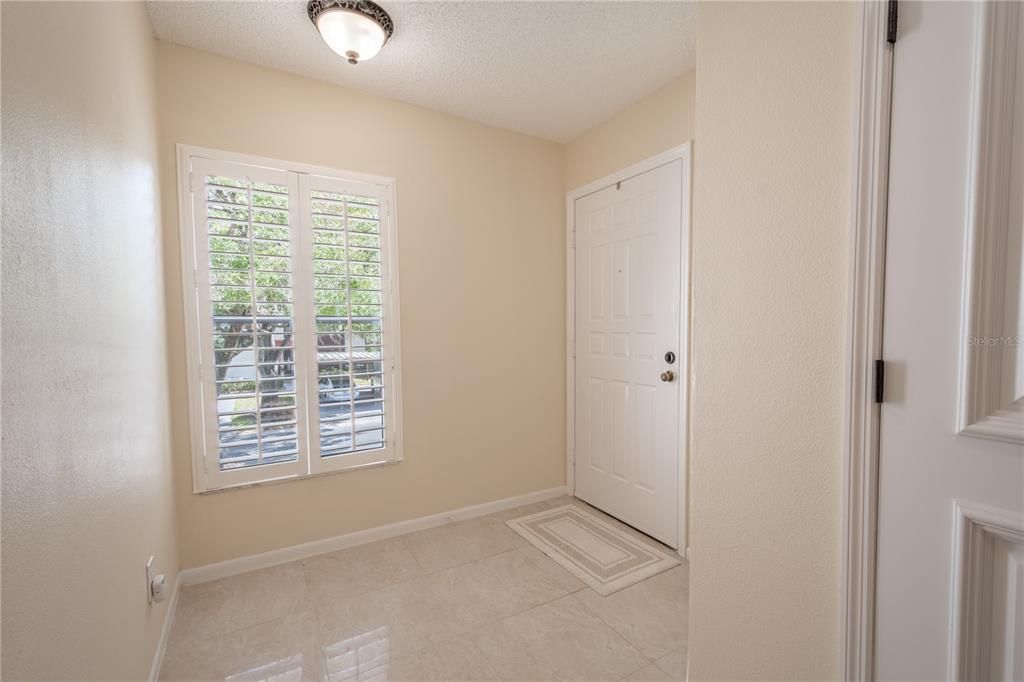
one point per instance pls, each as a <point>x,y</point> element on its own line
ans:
<point>604,557</point>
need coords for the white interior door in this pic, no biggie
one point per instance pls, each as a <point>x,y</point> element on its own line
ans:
<point>628,297</point>
<point>950,582</point>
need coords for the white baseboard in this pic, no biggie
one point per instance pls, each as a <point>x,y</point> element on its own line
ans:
<point>223,569</point>
<point>165,631</point>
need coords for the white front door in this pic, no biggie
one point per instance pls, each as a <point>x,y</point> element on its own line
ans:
<point>950,582</point>
<point>628,350</point>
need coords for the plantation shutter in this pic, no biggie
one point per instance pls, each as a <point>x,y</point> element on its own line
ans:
<point>252,369</point>
<point>351,314</point>
<point>291,307</point>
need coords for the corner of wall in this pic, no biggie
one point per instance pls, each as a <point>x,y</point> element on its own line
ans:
<point>662,120</point>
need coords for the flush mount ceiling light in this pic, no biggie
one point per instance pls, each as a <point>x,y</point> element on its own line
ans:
<point>355,29</point>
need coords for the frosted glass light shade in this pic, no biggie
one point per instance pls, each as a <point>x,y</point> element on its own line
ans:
<point>353,35</point>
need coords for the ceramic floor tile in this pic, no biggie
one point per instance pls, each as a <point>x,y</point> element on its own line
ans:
<point>560,640</point>
<point>463,661</point>
<point>651,615</point>
<point>284,650</point>
<point>360,569</point>
<point>467,601</point>
<point>504,585</point>
<point>392,622</point>
<point>408,618</point>
<point>674,663</point>
<point>651,673</point>
<point>361,657</point>
<point>455,660</point>
<point>222,606</point>
<point>461,542</point>
<point>561,577</point>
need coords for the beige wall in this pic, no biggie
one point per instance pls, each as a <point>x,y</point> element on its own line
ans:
<point>774,104</point>
<point>85,464</point>
<point>658,122</point>
<point>481,252</point>
<point>87,493</point>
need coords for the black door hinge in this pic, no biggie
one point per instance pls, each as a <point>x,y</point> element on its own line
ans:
<point>879,381</point>
<point>892,21</point>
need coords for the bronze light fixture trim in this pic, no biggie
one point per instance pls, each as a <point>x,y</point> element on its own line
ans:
<point>355,29</point>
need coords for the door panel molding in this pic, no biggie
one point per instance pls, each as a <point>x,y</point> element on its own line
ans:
<point>974,623</point>
<point>684,153</point>
<point>867,269</point>
<point>951,591</point>
<point>990,406</point>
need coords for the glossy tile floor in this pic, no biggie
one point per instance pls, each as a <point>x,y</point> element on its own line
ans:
<point>466,601</point>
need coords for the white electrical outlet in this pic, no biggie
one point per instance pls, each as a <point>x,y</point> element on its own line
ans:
<point>155,584</point>
<point>157,587</point>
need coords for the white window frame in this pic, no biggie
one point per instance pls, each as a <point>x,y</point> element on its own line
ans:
<point>301,178</point>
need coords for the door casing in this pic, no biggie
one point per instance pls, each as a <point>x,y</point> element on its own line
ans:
<point>684,153</point>
<point>870,147</point>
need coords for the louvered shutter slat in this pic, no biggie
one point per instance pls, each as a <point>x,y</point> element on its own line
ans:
<point>250,296</point>
<point>349,322</point>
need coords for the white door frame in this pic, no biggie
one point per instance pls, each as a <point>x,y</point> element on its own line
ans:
<point>864,323</point>
<point>682,152</point>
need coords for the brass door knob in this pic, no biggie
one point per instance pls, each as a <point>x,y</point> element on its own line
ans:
<point>668,375</point>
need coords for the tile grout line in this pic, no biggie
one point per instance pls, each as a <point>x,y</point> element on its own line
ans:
<point>412,554</point>
<point>570,595</point>
<point>306,608</point>
<point>684,644</point>
<point>615,630</point>
<point>517,613</point>
<point>434,643</point>
<point>494,664</point>
<point>309,607</point>
<point>425,574</point>
<point>488,623</point>
<point>583,585</point>
<point>619,634</point>
<point>207,638</point>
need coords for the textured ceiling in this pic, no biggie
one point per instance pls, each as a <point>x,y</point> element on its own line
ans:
<point>550,69</point>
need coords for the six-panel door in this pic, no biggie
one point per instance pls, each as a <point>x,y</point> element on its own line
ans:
<point>628,297</point>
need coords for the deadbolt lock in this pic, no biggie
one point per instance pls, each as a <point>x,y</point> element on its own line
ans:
<point>670,357</point>
<point>668,375</point>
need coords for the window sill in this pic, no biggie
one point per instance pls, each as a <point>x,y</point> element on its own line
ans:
<point>298,477</point>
